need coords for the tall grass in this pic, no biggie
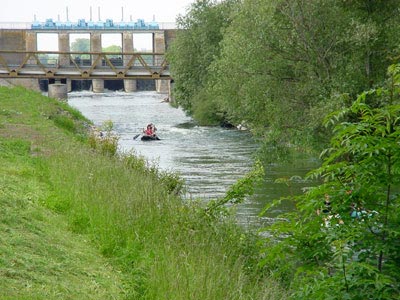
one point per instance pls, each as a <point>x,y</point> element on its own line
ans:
<point>164,247</point>
<point>169,249</point>
<point>39,257</point>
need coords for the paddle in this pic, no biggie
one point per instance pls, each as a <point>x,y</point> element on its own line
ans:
<point>136,136</point>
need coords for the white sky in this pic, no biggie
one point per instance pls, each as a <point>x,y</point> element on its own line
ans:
<point>26,10</point>
<point>18,11</point>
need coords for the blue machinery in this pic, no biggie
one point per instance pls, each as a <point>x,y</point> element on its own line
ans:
<point>140,24</point>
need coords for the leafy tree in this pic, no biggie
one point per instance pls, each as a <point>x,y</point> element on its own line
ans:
<point>195,47</point>
<point>352,250</point>
<point>278,66</point>
<point>112,48</point>
<point>81,45</point>
<point>376,30</point>
<point>283,62</point>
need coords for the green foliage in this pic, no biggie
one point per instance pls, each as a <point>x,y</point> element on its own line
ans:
<point>14,148</point>
<point>279,66</point>
<point>205,110</point>
<point>81,45</point>
<point>113,230</point>
<point>69,119</point>
<point>194,49</point>
<point>40,258</point>
<point>237,193</point>
<point>64,122</point>
<point>163,245</point>
<point>349,249</point>
<point>105,141</point>
<point>8,113</point>
<point>113,48</point>
<point>171,181</point>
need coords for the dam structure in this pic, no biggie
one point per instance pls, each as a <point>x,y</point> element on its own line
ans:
<point>22,63</point>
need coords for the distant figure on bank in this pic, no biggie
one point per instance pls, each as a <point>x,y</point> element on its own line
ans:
<point>327,206</point>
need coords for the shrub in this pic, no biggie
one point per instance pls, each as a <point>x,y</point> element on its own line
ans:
<point>105,141</point>
<point>352,250</point>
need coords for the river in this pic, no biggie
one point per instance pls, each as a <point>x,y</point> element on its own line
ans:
<point>209,159</point>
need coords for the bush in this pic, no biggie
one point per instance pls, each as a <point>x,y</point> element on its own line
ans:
<point>105,141</point>
<point>340,254</point>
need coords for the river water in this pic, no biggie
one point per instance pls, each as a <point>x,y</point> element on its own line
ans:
<point>209,159</point>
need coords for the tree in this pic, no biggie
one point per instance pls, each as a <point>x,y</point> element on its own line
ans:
<point>376,28</point>
<point>283,63</point>
<point>81,45</point>
<point>195,47</point>
<point>113,48</point>
<point>279,65</point>
<point>352,251</point>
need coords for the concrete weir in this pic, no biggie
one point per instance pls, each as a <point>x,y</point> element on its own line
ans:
<point>98,86</point>
<point>58,91</point>
<point>130,85</point>
<point>22,63</point>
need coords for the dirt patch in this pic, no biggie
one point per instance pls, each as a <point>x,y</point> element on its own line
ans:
<point>19,131</point>
<point>25,132</point>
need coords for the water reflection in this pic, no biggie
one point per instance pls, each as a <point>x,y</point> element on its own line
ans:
<point>294,171</point>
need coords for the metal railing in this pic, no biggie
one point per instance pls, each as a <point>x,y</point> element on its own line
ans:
<point>28,25</point>
<point>83,65</point>
<point>15,25</point>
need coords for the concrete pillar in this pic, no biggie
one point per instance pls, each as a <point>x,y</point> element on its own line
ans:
<point>98,85</point>
<point>64,59</point>
<point>63,46</point>
<point>162,86</point>
<point>58,91</point>
<point>31,44</point>
<point>127,46</point>
<point>159,46</point>
<point>95,45</point>
<point>130,85</point>
<point>69,85</point>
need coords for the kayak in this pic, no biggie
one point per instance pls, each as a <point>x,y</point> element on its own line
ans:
<point>150,138</point>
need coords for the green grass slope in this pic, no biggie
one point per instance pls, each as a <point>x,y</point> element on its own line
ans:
<point>40,258</point>
<point>78,224</point>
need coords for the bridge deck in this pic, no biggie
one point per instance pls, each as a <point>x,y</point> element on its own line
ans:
<point>83,65</point>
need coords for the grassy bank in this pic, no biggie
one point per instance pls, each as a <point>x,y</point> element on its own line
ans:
<point>81,225</point>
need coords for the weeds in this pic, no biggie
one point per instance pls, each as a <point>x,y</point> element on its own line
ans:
<point>153,245</point>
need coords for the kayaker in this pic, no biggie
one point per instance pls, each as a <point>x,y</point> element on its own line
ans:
<point>150,130</point>
<point>153,128</point>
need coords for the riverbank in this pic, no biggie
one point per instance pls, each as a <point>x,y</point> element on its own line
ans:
<point>81,225</point>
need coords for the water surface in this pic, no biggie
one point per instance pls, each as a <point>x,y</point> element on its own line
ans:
<point>209,159</point>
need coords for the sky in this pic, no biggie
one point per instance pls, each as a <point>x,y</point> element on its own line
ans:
<point>21,11</point>
<point>27,10</point>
